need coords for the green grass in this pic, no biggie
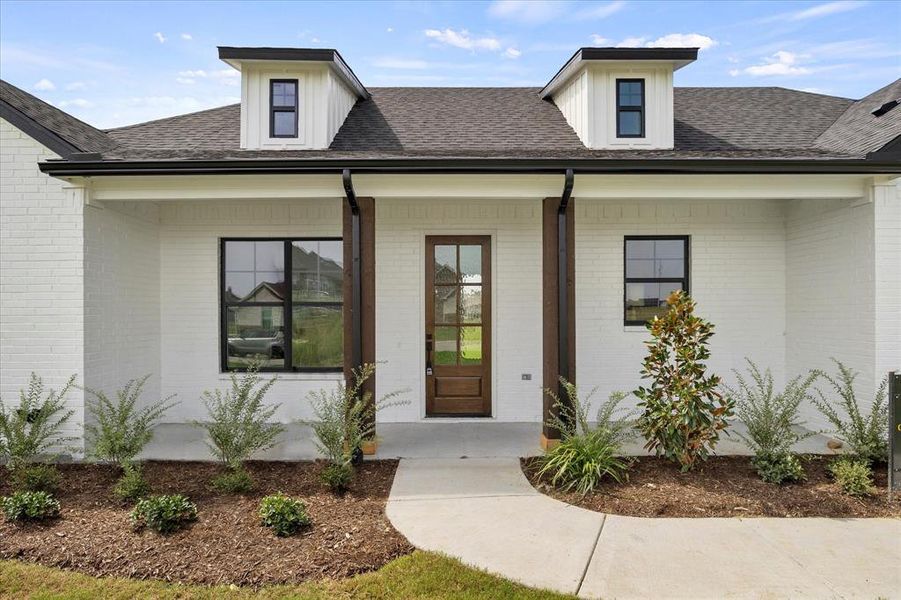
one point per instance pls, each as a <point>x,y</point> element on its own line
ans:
<point>419,575</point>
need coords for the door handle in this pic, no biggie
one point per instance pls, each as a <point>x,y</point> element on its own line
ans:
<point>428,354</point>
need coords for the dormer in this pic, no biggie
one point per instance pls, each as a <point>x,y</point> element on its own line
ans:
<point>292,98</point>
<point>620,98</point>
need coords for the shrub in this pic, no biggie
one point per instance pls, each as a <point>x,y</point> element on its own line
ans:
<point>233,481</point>
<point>854,476</point>
<point>683,412</point>
<point>778,468</point>
<point>238,422</point>
<point>131,486</point>
<point>867,435</point>
<point>163,514</point>
<point>344,418</point>
<point>35,426</point>
<point>772,421</point>
<point>121,430</point>
<point>36,477</point>
<point>283,515</point>
<point>571,417</point>
<point>30,506</point>
<point>337,476</point>
<point>580,462</point>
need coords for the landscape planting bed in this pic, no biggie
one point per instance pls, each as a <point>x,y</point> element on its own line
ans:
<point>724,486</point>
<point>349,534</point>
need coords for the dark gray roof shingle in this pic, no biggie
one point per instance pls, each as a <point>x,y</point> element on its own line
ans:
<point>858,131</point>
<point>51,119</point>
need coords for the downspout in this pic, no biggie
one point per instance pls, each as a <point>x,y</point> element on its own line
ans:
<point>356,303</point>
<point>562,286</point>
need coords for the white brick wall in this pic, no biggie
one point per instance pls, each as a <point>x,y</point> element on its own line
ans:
<point>189,279</point>
<point>515,229</point>
<point>737,277</point>
<point>41,289</point>
<point>887,244</point>
<point>122,296</point>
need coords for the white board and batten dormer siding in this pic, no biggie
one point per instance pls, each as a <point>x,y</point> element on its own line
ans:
<point>323,103</point>
<point>588,102</point>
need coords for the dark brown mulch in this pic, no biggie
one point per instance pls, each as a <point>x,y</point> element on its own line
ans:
<point>725,486</point>
<point>349,535</point>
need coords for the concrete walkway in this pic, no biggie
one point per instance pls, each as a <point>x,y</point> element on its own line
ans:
<point>485,512</point>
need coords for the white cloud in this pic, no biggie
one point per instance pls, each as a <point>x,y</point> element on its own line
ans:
<point>223,76</point>
<point>631,42</point>
<point>45,85</point>
<point>77,102</point>
<point>462,39</point>
<point>599,40</point>
<point>315,40</point>
<point>160,37</point>
<point>388,62</point>
<point>780,63</point>
<point>390,30</point>
<point>512,53</point>
<point>187,36</point>
<point>76,86</point>
<point>185,80</point>
<point>197,73</point>
<point>601,12</point>
<point>813,90</point>
<point>526,11</point>
<point>823,10</point>
<point>683,40</point>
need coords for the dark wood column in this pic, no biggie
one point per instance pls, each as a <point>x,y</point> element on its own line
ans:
<point>366,333</point>
<point>551,302</point>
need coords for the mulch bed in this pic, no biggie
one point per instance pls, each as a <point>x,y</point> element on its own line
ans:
<point>725,486</point>
<point>227,544</point>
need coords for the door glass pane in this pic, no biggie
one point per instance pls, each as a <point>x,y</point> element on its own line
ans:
<point>318,270</point>
<point>446,304</point>
<point>255,332</point>
<point>471,303</point>
<point>445,346</point>
<point>471,264</point>
<point>470,345</point>
<point>318,339</point>
<point>445,264</point>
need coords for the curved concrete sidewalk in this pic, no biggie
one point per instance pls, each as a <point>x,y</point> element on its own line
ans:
<point>485,512</point>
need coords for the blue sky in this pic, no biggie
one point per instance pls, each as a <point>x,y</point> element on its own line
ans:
<point>118,63</point>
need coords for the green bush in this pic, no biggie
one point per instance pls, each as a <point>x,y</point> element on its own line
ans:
<point>120,430</point>
<point>683,412</point>
<point>283,515</point>
<point>37,477</point>
<point>772,421</point>
<point>866,434</point>
<point>30,506</point>
<point>131,486</point>
<point>34,427</point>
<point>581,462</point>
<point>779,468</point>
<point>239,422</point>
<point>233,481</point>
<point>163,514</point>
<point>572,416</point>
<point>854,476</point>
<point>337,476</point>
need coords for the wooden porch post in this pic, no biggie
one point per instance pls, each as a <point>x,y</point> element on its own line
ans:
<point>550,299</point>
<point>366,333</point>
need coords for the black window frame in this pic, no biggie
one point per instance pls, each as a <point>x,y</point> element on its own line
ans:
<point>287,305</point>
<point>274,109</point>
<point>684,280</point>
<point>620,109</point>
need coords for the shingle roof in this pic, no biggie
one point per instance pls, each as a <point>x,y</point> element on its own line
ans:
<point>513,122</point>
<point>77,134</point>
<point>858,131</point>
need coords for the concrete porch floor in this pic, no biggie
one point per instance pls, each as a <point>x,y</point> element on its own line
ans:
<point>433,439</point>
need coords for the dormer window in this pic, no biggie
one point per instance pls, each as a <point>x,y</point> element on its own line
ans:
<point>630,108</point>
<point>283,108</point>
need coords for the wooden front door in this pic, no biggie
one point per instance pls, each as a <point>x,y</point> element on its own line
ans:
<point>458,326</point>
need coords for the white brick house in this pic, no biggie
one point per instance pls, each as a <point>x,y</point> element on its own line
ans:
<point>142,249</point>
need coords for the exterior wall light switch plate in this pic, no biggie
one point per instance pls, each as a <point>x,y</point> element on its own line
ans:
<point>527,377</point>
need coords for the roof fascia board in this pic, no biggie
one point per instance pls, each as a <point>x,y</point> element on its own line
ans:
<point>470,166</point>
<point>37,131</point>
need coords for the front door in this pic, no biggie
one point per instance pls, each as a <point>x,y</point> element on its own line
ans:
<point>458,326</point>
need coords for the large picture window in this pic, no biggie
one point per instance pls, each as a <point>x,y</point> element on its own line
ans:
<point>281,304</point>
<point>655,266</point>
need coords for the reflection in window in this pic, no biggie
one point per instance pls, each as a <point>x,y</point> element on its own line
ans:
<point>655,267</point>
<point>285,325</point>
